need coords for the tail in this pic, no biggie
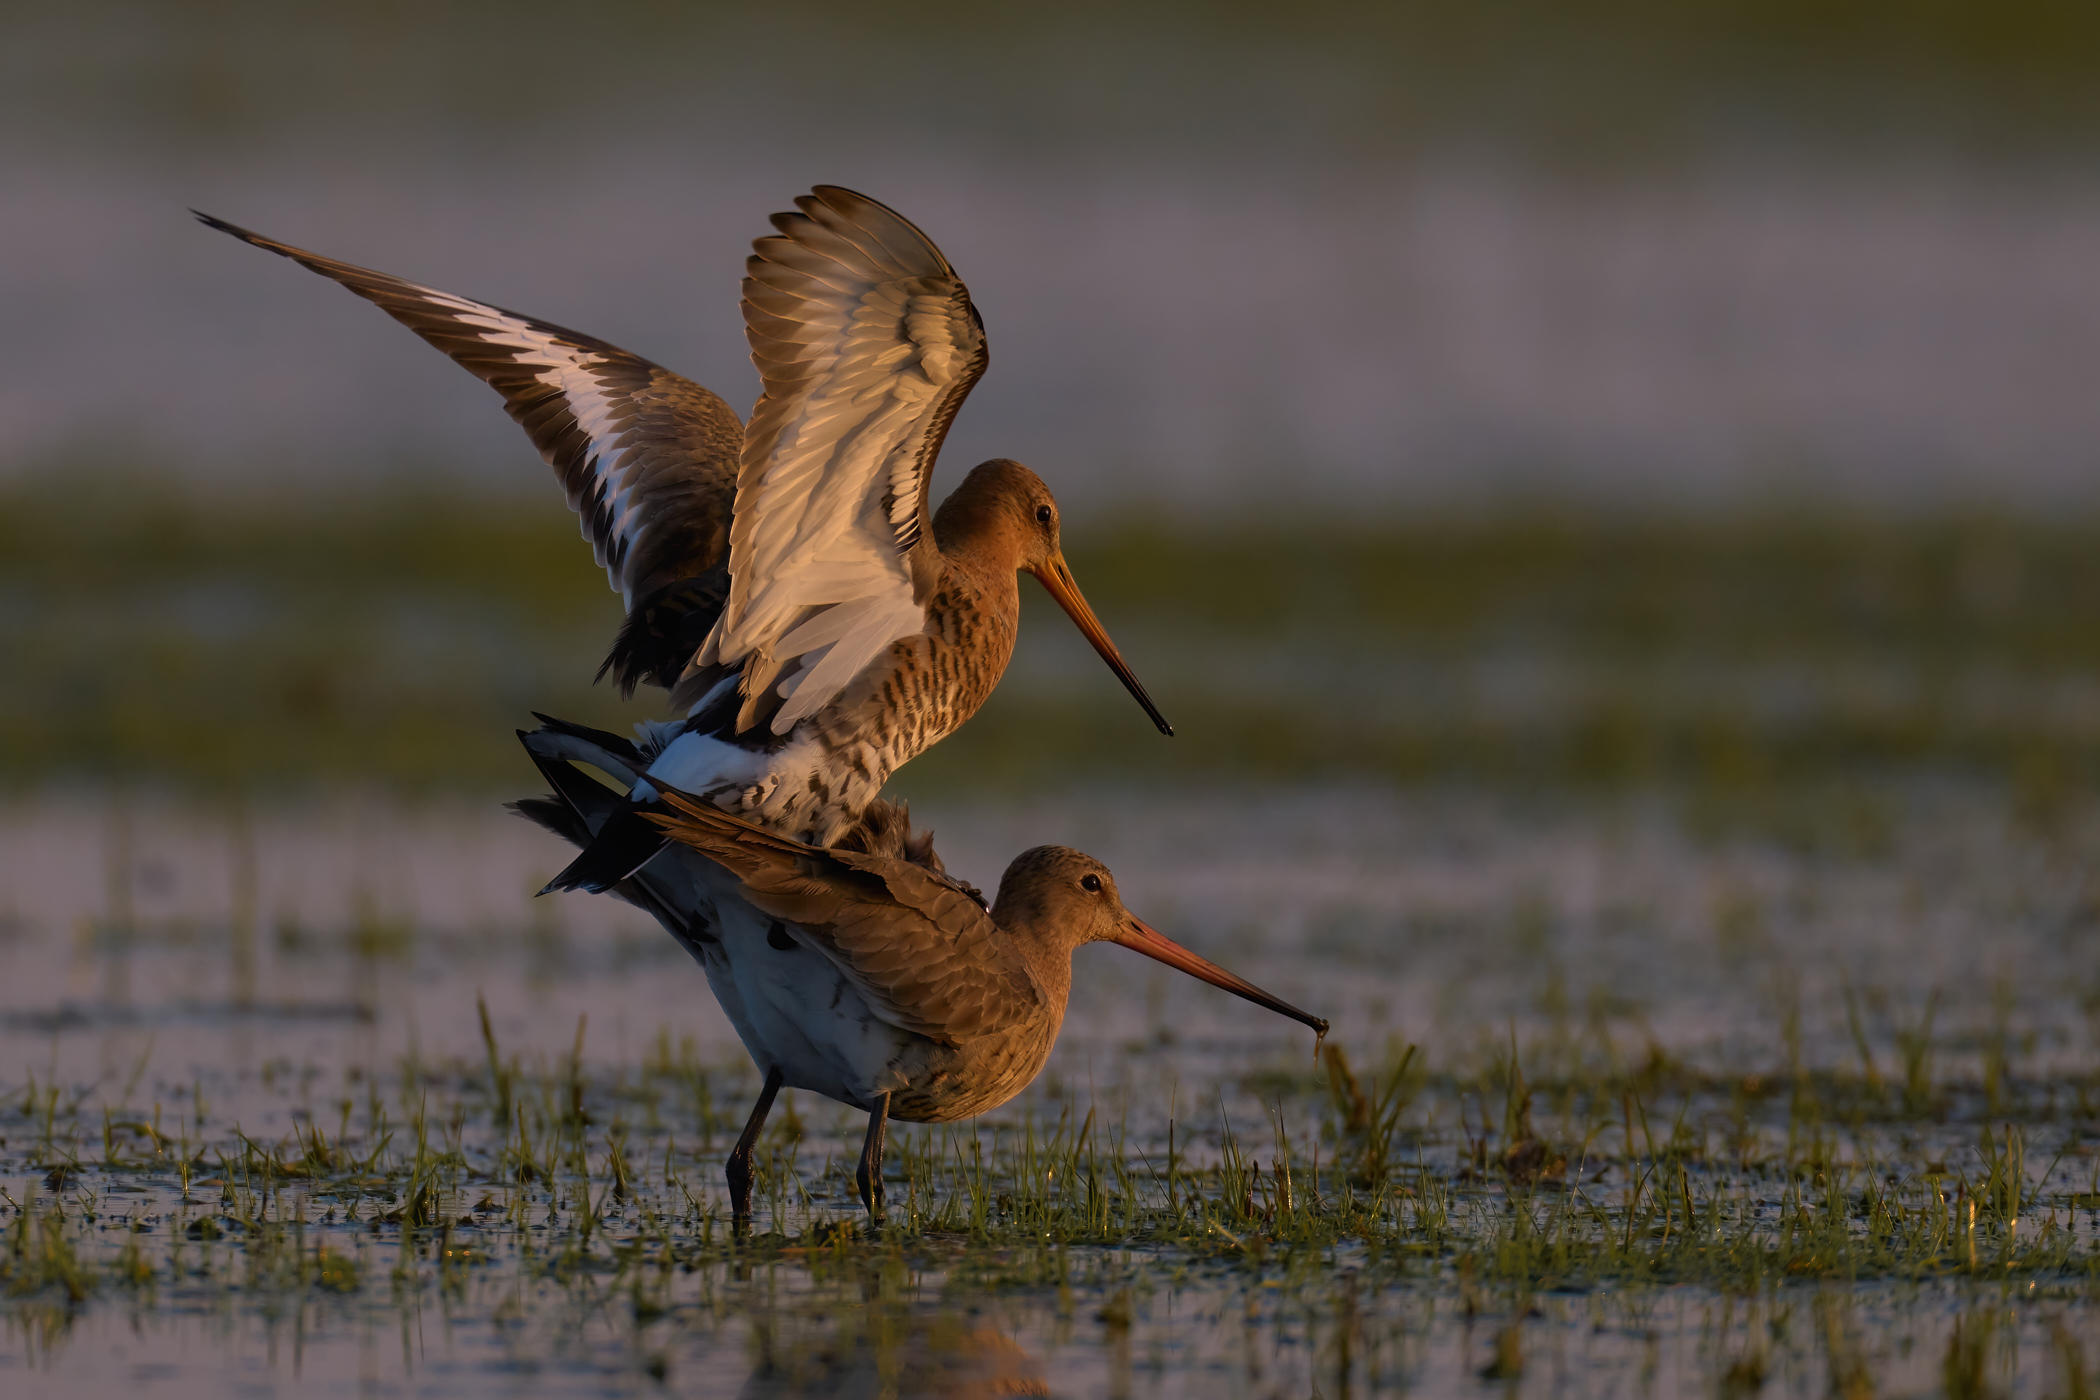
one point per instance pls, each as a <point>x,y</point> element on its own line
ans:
<point>577,811</point>
<point>559,739</point>
<point>618,849</point>
<point>578,805</point>
<point>615,840</point>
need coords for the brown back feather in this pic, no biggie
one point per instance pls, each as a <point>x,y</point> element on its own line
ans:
<point>923,952</point>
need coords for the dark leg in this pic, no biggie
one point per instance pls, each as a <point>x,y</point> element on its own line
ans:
<point>738,1167</point>
<point>869,1176</point>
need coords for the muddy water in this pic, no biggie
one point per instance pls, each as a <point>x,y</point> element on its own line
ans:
<point>267,972</point>
<point>356,931</point>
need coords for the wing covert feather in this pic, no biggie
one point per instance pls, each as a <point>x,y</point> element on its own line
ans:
<point>921,951</point>
<point>867,343</point>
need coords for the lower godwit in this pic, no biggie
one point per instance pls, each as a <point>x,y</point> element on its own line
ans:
<point>791,584</point>
<point>887,986</point>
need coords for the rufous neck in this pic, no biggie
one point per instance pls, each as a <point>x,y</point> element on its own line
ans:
<point>985,542</point>
<point>983,525</point>
<point>1049,962</point>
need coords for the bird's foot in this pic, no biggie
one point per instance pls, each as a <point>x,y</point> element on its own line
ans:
<point>870,1192</point>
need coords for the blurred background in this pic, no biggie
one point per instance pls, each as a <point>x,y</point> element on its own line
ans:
<point>1694,396</point>
<point>1608,492</point>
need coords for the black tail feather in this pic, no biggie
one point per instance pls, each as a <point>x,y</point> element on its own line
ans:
<point>587,802</point>
<point>625,843</point>
<point>555,815</point>
<point>613,744</point>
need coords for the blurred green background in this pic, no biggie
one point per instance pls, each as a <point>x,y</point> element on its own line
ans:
<point>1607,395</point>
<point>1754,661</point>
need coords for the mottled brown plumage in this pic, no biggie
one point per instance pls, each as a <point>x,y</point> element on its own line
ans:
<point>926,685</point>
<point>818,622</point>
<point>898,991</point>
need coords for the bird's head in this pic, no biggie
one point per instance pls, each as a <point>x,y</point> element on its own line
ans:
<point>1004,508</point>
<point>1068,898</point>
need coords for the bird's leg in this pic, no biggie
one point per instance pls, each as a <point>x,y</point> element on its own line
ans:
<point>738,1167</point>
<point>869,1176</point>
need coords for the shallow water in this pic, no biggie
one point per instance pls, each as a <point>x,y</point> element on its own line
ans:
<point>219,988</point>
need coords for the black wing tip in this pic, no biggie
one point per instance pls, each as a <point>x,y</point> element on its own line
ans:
<point>245,235</point>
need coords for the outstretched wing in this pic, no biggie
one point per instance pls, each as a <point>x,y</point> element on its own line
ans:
<point>867,343</point>
<point>922,952</point>
<point>647,457</point>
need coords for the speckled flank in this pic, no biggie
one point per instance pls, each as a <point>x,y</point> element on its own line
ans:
<point>817,785</point>
<point>950,1085</point>
<point>917,693</point>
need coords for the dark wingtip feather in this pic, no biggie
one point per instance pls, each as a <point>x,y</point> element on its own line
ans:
<point>245,235</point>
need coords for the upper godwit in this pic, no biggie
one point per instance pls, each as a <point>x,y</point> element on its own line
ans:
<point>886,986</point>
<point>790,584</point>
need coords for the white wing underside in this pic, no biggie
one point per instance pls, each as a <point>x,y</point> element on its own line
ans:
<point>866,342</point>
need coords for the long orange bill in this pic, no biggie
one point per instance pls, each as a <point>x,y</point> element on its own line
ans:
<point>1057,577</point>
<point>1154,944</point>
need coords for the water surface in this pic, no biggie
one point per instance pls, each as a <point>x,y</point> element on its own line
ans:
<point>241,993</point>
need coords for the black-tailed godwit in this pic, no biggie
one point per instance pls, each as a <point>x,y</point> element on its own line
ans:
<point>819,623</point>
<point>882,984</point>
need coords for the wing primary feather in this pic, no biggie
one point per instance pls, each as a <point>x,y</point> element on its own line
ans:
<point>647,458</point>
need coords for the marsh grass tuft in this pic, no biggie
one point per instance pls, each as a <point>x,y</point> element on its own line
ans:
<point>601,1180</point>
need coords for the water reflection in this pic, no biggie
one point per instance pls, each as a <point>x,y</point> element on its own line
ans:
<point>948,1356</point>
<point>201,1187</point>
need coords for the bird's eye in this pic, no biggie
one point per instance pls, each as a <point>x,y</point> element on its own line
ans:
<point>1090,883</point>
<point>1042,514</point>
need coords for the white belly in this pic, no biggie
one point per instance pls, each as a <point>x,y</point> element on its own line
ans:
<point>804,788</point>
<point>793,1009</point>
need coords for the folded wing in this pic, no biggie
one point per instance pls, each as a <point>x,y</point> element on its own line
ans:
<point>924,954</point>
<point>646,457</point>
<point>867,344</point>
